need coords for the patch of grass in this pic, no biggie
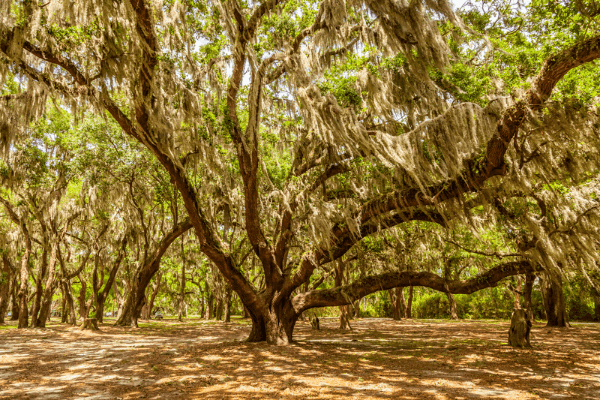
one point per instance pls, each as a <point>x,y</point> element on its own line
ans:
<point>8,327</point>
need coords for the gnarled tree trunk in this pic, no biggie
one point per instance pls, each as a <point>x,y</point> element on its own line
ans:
<point>520,328</point>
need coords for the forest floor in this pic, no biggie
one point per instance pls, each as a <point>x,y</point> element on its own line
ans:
<point>379,359</point>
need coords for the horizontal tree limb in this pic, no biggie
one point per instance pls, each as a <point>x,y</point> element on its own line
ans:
<point>347,294</point>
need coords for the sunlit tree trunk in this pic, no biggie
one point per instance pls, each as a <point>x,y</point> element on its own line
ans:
<point>453,308</point>
<point>517,299</point>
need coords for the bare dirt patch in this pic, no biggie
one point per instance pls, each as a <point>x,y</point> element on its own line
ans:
<point>379,359</point>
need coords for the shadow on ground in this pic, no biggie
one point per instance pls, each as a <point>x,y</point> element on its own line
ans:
<point>379,359</point>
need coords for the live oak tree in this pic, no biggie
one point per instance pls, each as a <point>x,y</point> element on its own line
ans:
<point>313,125</point>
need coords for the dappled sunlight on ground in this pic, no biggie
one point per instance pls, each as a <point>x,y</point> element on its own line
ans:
<point>379,359</point>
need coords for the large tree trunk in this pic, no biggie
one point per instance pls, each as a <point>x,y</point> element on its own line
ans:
<point>554,301</point>
<point>345,318</point>
<point>453,308</point>
<point>520,328</point>
<point>527,290</point>
<point>274,325</point>
<point>517,299</point>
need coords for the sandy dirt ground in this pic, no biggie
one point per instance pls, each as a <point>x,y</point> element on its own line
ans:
<point>379,359</point>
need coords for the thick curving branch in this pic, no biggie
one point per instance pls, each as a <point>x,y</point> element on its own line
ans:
<point>347,294</point>
<point>476,172</point>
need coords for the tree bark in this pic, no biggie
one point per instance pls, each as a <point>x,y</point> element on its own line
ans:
<point>83,310</point>
<point>39,289</point>
<point>66,286</point>
<point>408,313</point>
<point>135,297</point>
<point>527,290</point>
<point>517,298</point>
<point>14,299</point>
<point>554,301</point>
<point>6,280</point>
<point>340,272</point>
<point>274,324</point>
<point>155,289</point>
<point>23,289</point>
<point>227,305</point>
<point>520,328</point>
<point>453,308</point>
<point>49,289</point>
<point>219,309</point>
<point>209,306</point>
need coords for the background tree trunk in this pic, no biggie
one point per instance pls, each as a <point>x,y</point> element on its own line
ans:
<point>24,287</point>
<point>408,313</point>
<point>219,309</point>
<point>81,300</point>
<point>182,284</point>
<point>45,308</point>
<point>209,306</point>
<point>344,310</point>
<point>554,301</point>
<point>155,289</point>
<point>6,280</point>
<point>227,302</point>
<point>15,299</point>
<point>453,308</point>
<point>39,289</point>
<point>356,309</point>
<point>527,290</point>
